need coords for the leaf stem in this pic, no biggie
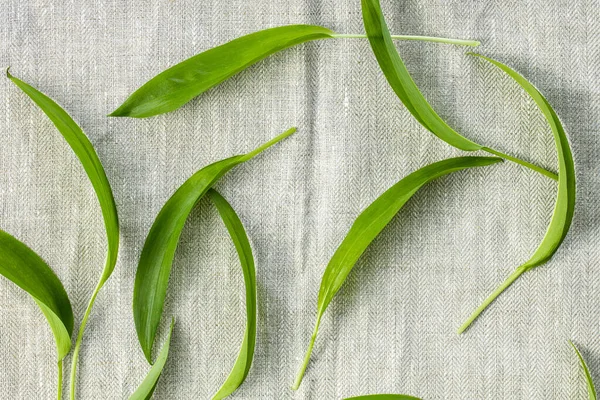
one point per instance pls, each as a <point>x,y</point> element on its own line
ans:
<point>311,344</point>
<point>524,163</point>
<point>60,380</point>
<point>270,143</point>
<point>509,281</point>
<point>80,338</point>
<point>459,42</point>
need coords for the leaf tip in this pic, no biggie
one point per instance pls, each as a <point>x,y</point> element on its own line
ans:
<point>8,75</point>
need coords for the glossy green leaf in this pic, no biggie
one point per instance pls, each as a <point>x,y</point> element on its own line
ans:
<point>384,397</point>
<point>148,385</point>
<point>242,245</point>
<point>407,91</point>
<point>370,223</point>
<point>86,154</point>
<point>179,84</point>
<point>152,276</point>
<point>565,198</point>
<point>588,376</point>
<point>26,269</point>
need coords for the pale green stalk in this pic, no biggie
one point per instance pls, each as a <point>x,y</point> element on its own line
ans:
<point>459,42</point>
<point>509,281</point>
<point>75,358</point>
<point>300,375</point>
<point>60,380</point>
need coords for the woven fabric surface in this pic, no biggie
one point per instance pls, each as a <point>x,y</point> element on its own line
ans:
<point>392,328</point>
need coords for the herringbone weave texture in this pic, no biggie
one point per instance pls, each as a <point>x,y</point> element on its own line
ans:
<point>392,327</point>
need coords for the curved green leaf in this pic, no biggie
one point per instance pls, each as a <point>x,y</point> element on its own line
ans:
<point>179,84</point>
<point>370,223</point>
<point>384,397</point>
<point>240,239</point>
<point>22,266</point>
<point>152,276</point>
<point>148,385</point>
<point>588,376</point>
<point>565,198</point>
<point>407,91</point>
<point>86,154</point>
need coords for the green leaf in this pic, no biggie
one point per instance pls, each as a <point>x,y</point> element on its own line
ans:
<point>240,239</point>
<point>148,385</point>
<point>152,276</point>
<point>588,376</point>
<point>565,198</point>
<point>27,270</point>
<point>179,84</point>
<point>370,223</point>
<point>84,150</point>
<point>407,91</point>
<point>384,397</point>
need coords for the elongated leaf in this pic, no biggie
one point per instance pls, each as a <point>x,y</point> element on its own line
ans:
<point>588,376</point>
<point>240,239</point>
<point>148,385</point>
<point>26,269</point>
<point>370,223</point>
<point>86,154</point>
<point>400,80</point>
<point>384,397</point>
<point>407,91</point>
<point>152,276</point>
<point>179,84</point>
<point>565,198</point>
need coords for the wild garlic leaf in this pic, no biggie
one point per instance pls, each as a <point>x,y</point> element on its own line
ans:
<point>384,397</point>
<point>370,223</point>
<point>179,84</point>
<point>588,376</point>
<point>407,91</point>
<point>565,198</point>
<point>22,266</point>
<point>154,268</point>
<point>148,385</point>
<point>86,154</point>
<point>242,245</point>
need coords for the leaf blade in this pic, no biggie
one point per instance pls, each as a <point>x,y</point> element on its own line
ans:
<point>148,385</point>
<point>152,275</point>
<point>564,208</point>
<point>236,230</point>
<point>370,223</point>
<point>401,81</point>
<point>27,270</point>
<point>588,377</point>
<point>84,150</point>
<point>182,82</point>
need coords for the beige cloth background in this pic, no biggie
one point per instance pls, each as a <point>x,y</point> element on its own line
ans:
<point>392,327</point>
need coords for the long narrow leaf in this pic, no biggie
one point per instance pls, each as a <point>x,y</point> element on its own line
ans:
<point>588,376</point>
<point>407,91</point>
<point>370,223</point>
<point>565,198</point>
<point>384,397</point>
<point>179,84</point>
<point>240,239</point>
<point>152,276</point>
<point>148,385</point>
<point>26,269</point>
<point>86,154</point>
